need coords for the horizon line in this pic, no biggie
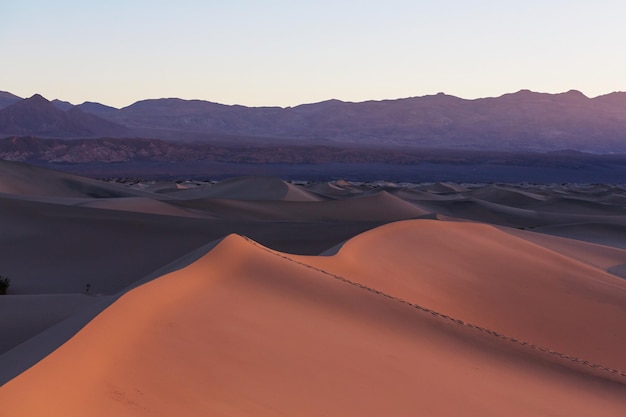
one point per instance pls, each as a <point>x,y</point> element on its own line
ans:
<point>523,90</point>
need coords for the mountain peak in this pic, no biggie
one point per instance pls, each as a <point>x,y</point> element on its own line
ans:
<point>62,105</point>
<point>38,116</point>
<point>616,98</point>
<point>574,94</point>
<point>7,99</point>
<point>38,98</point>
<point>7,94</point>
<point>525,93</point>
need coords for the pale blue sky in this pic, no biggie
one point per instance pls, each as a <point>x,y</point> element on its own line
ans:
<point>285,53</point>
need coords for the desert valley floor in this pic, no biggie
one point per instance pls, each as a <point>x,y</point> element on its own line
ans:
<point>255,296</point>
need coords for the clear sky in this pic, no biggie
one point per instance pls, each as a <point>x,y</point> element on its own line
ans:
<point>289,52</point>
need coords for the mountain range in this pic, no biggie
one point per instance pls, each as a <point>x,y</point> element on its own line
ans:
<point>38,116</point>
<point>522,121</point>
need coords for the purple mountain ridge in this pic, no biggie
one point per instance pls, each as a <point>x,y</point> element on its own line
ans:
<point>521,121</point>
<point>7,99</point>
<point>38,116</point>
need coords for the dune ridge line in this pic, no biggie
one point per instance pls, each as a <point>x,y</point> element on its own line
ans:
<point>574,359</point>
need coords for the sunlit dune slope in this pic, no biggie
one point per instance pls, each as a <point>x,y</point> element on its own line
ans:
<point>247,331</point>
<point>491,278</point>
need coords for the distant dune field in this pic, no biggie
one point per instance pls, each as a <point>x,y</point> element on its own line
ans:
<point>257,296</point>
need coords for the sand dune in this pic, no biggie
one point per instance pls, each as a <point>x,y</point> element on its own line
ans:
<point>598,231</point>
<point>416,195</point>
<point>335,189</point>
<point>22,317</point>
<point>249,188</point>
<point>508,196</point>
<point>576,206</point>
<point>599,256</point>
<point>616,196</point>
<point>28,180</point>
<point>508,301</point>
<point>444,188</point>
<point>50,248</point>
<point>473,271</point>
<point>142,205</point>
<point>381,206</point>
<point>243,331</point>
<point>490,213</point>
<point>507,214</point>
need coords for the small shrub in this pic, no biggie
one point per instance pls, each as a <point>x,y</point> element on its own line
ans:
<point>4,284</point>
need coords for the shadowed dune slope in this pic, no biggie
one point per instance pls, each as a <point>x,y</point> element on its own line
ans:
<point>417,195</point>
<point>493,279</point>
<point>508,215</point>
<point>594,231</point>
<point>27,180</point>
<point>249,188</point>
<point>599,256</point>
<point>381,206</point>
<point>581,207</point>
<point>335,189</point>
<point>22,317</point>
<point>142,205</point>
<point>507,196</point>
<point>52,248</point>
<point>243,331</point>
<point>445,188</point>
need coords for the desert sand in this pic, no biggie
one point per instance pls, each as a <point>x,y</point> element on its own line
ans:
<point>256,296</point>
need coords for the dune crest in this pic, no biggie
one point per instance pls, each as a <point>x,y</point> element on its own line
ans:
<point>459,268</point>
<point>247,330</point>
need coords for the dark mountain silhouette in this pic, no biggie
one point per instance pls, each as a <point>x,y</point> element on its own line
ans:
<point>521,121</point>
<point>88,107</point>
<point>62,105</point>
<point>97,108</point>
<point>38,116</point>
<point>200,117</point>
<point>7,99</point>
<point>616,99</point>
